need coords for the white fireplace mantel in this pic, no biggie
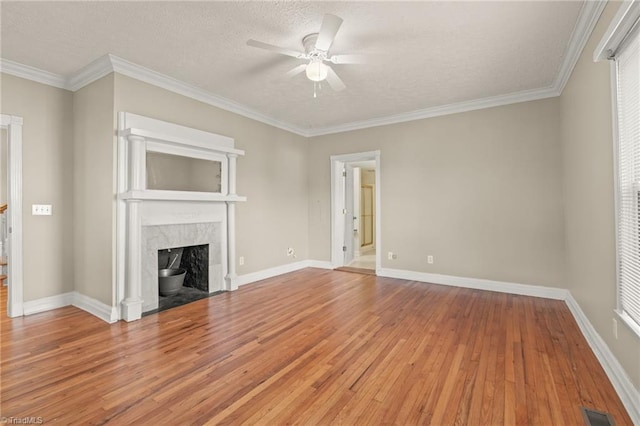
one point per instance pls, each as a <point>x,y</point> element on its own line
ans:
<point>139,206</point>
<point>160,141</point>
<point>159,195</point>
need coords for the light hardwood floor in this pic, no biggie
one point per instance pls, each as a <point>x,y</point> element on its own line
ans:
<point>310,347</point>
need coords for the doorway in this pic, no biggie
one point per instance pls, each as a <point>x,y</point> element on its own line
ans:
<point>355,225</point>
<point>11,128</point>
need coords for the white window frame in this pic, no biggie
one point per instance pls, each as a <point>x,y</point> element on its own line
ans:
<point>621,26</point>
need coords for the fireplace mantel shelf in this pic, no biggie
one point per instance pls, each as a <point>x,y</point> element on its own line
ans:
<point>157,195</point>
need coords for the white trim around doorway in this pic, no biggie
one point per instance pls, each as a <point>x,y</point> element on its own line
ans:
<point>337,194</point>
<point>15,299</point>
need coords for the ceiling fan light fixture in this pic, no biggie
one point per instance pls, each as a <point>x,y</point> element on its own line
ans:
<point>316,71</point>
<point>316,52</point>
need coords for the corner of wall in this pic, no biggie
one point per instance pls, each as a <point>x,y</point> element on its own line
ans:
<point>94,151</point>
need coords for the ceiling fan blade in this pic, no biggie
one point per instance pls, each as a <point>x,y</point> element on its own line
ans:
<point>271,47</point>
<point>328,30</point>
<point>348,59</point>
<point>297,70</point>
<point>334,81</point>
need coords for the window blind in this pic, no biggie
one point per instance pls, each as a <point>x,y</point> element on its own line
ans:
<point>628,109</point>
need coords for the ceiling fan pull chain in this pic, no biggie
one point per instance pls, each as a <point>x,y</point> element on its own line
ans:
<point>315,85</point>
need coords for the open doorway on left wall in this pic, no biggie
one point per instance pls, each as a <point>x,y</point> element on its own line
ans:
<point>11,239</point>
<point>4,188</point>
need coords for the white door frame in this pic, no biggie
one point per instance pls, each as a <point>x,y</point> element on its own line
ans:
<point>349,196</point>
<point>356,211</point>
<point>337,204</point>
<point>15,299</point>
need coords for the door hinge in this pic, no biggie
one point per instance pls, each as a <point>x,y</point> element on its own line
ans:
<point>344,248</point>
<point>344,173</point>
<point>344,211</point>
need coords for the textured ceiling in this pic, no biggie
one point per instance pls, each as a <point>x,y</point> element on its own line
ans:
<point>423,54</point>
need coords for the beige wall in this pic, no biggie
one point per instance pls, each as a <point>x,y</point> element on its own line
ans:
<point>47,179</point>
<point>480,191</point>
<point>589,198</point>
<point>273,174</point>
<point>94,188</point>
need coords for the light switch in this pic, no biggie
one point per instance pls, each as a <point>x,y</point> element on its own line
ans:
<point>41,209</point>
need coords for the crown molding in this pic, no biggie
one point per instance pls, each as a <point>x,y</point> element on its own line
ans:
<point>490,102</point>
<point>124,67</point>
<point>32,73</point>
<point>587,20</point>
<point>110,63</point>
<point>88,74</point>
<point>621,25</point>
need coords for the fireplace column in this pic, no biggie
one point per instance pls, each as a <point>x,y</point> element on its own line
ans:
<point>132,304</point>
<point>232,281</point>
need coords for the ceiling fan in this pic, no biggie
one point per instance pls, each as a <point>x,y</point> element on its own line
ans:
<point>316,52</point>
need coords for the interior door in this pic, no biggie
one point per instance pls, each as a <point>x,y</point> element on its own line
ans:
<point>366,215</point>
<point>348,215</point>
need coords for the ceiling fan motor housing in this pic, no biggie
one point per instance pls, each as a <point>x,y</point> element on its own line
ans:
<point>309,43</point>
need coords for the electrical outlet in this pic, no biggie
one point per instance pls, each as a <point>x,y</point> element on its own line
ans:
<point>241,260</point>
<point>615,328</point>
<point>430,260</point>
<point>41,209</point>
<point>390,256</point>
<point>291,252</point>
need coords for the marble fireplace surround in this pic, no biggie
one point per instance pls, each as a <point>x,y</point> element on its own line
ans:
<point>159,237</point>
<point>150,220</point>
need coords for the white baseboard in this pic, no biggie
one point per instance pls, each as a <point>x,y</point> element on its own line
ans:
<point>627,392</point>
<point>271,272</point>
<point>321,264</point>
<point>282,269</point>
<point>476,283</point>
<point>86,303</point>
<point>95,307</point>
<point>48,303</point>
